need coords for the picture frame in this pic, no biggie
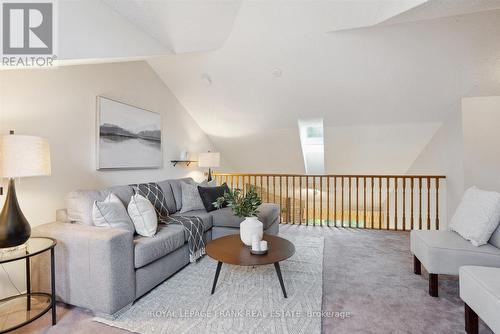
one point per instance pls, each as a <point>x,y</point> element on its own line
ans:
<point>128,137</point>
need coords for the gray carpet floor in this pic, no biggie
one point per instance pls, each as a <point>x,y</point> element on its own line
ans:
<point>367,278</point>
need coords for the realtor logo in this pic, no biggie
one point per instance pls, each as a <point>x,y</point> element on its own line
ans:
<point>28,29</point>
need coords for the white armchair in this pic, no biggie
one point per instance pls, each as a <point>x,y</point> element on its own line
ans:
<point>444,252</point>
<point>480,291</point>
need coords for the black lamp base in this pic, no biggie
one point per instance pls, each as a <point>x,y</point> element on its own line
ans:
<point>209,178</point>
<point>14,228</point>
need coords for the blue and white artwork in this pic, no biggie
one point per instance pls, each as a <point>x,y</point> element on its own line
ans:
<point>128,137</point>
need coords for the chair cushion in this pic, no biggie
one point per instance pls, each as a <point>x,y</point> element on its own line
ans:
<point>167,239</point>
<point>444,252</point>
<point>480,289</point>
<point>202,214</point>
<point>268,215</point>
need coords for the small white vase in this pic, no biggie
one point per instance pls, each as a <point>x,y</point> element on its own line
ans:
<point>248,228</point>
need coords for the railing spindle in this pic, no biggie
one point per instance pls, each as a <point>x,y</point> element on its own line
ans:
<point>396,186</point>
<point>307,200</point>
<point>349,223</point>
<point>342,202</point>
<point>437,203</point>
<point>357,201</point>
<point>328,201</point>
<point>335,201</point>
<point>321,201</point>
<point>373,202</point>
<point>419,203</point>
<point>404,204</point>
<point>428,203</point>
<point>293,200</point>
<point>387,201</point>
<point>379,203</point>
<point>364,202</point>
<point>300,200</point>
<point>411,205</point>
<point>314,201</point>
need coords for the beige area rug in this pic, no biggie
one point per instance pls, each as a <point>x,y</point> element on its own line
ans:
<point>247,300</point>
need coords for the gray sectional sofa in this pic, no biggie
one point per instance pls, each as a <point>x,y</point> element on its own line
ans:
<point>105,269</point>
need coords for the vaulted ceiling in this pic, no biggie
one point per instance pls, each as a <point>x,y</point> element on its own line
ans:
<point>382,74</point>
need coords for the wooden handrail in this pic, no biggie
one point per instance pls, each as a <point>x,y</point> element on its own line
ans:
<point>398,202</point>
<point>337,175</point>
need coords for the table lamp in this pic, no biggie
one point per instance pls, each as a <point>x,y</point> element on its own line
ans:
<point>210,160</point>
<point>20,156</point>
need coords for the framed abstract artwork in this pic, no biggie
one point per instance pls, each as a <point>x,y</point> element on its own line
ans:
<point>128,137</point>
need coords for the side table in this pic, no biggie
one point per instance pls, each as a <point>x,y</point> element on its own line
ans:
<point>19,310</point>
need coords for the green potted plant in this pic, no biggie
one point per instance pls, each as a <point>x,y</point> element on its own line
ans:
<point>244,205</point>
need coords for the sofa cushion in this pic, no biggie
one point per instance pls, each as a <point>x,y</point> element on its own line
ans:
<point>175,185</point>
<point>167,239</point>
<point>79,204</point>
<point>169,195</point>
<point>444,252</point>
<point>495,238</point>
<point>202,214</point>
<point>268,214</point>
<point>124,193</point>
<point>480,289</point>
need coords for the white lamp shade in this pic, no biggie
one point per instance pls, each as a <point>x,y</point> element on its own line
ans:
<point>22,156</point>
<point>210,159</point>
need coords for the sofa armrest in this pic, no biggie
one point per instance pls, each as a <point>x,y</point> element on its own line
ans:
<point>269,214</point>
<point>94,266</point>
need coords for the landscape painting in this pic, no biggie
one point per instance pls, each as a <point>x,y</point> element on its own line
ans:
<point>128,137</point>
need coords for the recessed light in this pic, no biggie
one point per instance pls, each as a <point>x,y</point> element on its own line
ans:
<point>207,80</point>
<point>277,72</point>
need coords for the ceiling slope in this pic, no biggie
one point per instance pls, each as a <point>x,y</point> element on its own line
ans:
<point>182,26</point>
<point>434,9</point>
<point>266,77</point>
<point>91,31</point>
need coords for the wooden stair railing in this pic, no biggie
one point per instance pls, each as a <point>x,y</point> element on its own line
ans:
<point>396,202</point>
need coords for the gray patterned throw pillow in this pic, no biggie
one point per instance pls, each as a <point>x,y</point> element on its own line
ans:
<point>191,199</point>
<point>154,194</point>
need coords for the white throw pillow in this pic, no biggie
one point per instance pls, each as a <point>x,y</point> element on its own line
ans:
<point>143,215</point>
<point>191,199</point>
<point>111,213</point>
<point>477,216</point>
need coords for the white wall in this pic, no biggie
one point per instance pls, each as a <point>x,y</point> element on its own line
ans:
<point>481,125</point>
<point>60,104</point>
<point>466,149</point>
<point>443,155</point>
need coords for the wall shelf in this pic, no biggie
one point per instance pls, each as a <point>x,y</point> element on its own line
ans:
<point>187,162</point>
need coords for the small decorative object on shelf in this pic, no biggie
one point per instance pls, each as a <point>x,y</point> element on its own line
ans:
<point>187,162</point>
<point>184,155</point>
<point>244,206</point>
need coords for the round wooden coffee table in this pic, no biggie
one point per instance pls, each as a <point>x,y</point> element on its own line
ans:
<point>231,250</point>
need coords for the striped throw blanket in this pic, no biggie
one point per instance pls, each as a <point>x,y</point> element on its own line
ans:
<point>193,229</point>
